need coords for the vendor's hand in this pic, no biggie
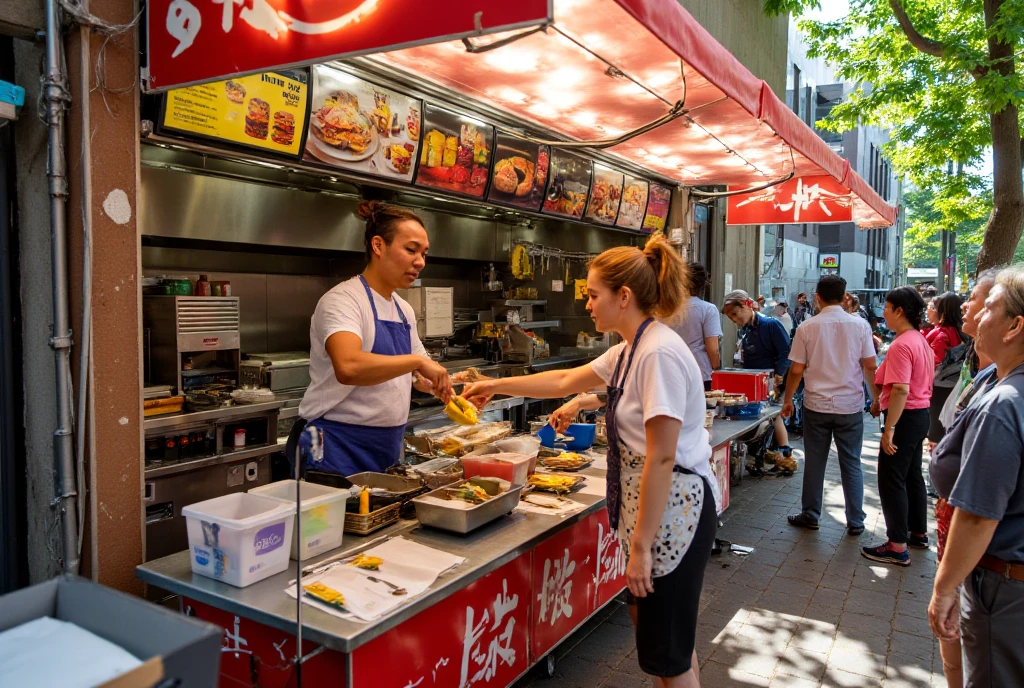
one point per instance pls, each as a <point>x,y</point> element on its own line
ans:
<point>944,615</point>
<point>565,415</point>
<point>887,444</point>
<point>788,409</point>
<point>638,570</point>
<point>480,393</point>
<point>876,408</point>
<point>435,375</point>
<point>778,380</point>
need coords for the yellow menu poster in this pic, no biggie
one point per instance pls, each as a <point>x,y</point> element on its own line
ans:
<point>263,110</point>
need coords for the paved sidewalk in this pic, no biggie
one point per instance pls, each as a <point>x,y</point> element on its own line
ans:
<point>804,610</point>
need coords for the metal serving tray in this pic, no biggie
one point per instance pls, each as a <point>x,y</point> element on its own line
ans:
<point>465,520</point>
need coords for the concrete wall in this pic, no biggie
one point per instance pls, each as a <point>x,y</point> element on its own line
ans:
<point>36,294</point>
<point>757,41</point>
<point>21,17</point>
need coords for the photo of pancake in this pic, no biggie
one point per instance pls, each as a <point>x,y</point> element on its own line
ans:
<point>257,120</point>
<point>284,128</point>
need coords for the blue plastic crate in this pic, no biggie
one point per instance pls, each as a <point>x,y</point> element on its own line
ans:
<point>751,410</point>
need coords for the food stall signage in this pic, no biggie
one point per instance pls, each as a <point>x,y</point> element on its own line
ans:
<point>265,111</point>
<point>829,260</point>
<point>195,41</point>
<point>802,199</point>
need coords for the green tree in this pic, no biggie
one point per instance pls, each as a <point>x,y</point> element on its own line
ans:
<point>941,76</point>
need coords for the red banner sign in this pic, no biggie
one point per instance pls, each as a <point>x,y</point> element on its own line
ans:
<point>802,199</point>
<point>193,41</point>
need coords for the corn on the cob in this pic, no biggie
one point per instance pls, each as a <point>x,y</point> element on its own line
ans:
<point>461,411</point>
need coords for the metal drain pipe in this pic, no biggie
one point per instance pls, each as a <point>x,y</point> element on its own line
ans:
<point>57,98</point>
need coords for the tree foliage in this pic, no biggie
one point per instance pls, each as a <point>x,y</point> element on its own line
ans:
<point>927,71</point>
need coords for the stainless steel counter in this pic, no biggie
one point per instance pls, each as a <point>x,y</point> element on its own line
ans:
<point>485,549</point>
<point>427,414</point>
<point>173,421</point>
<point>724,430</point>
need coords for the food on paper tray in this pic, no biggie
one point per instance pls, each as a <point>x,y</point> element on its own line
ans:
<point>567,461</point>
<point>469,375</point>
<point>461,411</point>
<point>456,440</point>
<point>559,484</point>
<point>325,594</point>
<point>468,492</point>
<point>364,561</point>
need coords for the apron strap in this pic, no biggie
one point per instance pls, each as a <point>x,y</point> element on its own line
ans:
<point>373,306</point>
<point>632,350</point>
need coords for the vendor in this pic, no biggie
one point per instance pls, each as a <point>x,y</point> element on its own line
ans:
<point>661,490</point>
<point>364,352</point>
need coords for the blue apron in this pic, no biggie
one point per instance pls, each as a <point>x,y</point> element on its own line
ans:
<point>350,449</point>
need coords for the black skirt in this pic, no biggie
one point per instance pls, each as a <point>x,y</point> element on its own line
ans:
<point>666,620</point>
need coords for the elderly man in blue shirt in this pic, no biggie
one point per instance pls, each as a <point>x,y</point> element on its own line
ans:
<point>764,345</point>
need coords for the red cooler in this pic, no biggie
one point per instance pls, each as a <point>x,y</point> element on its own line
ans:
<point>754,384</point>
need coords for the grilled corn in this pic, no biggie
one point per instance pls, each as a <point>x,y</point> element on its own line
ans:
<point>461,411</point>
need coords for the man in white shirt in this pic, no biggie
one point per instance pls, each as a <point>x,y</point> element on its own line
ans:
<point>834,355</point>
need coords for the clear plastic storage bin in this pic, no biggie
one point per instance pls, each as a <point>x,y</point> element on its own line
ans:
<point>323,515</point>
<point>239,538</point>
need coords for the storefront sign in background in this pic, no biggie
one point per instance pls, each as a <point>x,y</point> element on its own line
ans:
<point>266,111</point>
<point>799,200</point>
<point>192,41</point>
<point>828,260</point>
<point>660,197</point>
<point>358,126</point>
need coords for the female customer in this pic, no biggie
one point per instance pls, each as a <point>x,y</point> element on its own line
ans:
<point>945,462</point>
<point>661,491</point>
<point>904,381</point>
<point>984,551</point>
<point>945,313</point>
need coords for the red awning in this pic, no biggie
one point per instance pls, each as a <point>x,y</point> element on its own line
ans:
<point>606,67</point>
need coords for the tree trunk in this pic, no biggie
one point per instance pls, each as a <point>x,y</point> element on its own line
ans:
<point>1004,224</point>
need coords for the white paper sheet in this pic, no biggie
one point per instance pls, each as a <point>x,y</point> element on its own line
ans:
<point>594,486</point>
<point>562,507</point>
<point>406,564</point>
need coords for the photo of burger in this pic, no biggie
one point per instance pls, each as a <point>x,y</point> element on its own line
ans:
<point>284,128</point>
<point>257,121</point>
<point>343,128</point>
<point>235,92</point>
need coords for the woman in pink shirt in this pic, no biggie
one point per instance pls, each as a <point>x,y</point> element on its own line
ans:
<point>944,313</point>
<point>904,382</point>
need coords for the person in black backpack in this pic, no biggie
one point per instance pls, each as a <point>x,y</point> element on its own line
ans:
<point>950,345</point>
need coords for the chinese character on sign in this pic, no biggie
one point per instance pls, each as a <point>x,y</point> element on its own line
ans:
<point>804,199</point>
<point>611,561</point>
<point>555,591</point>
<point>234,642</point>
<point>500,645</point>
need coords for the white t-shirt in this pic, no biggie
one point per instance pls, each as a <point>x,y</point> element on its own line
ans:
<point>664,381</point>
<point>832,345</point>
<point>345,308</point>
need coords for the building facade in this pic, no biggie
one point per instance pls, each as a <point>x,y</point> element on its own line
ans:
<point>795,256</point>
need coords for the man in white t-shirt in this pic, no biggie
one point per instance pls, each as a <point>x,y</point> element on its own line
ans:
<point>833,354</point>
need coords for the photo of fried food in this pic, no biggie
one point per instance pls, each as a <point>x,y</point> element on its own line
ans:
<point>284,128</point>
<point>257,121</point>
<point>235,92</point>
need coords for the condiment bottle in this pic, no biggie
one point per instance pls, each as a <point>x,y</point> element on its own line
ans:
<point>203,286</point>
<point>240,438</point>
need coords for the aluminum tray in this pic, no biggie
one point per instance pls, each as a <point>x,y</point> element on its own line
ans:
<point>465,520</point>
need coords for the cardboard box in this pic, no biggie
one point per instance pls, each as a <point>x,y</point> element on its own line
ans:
<point>174,649</point>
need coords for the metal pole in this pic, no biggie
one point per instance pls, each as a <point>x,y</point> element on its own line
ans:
<point>57,99</point>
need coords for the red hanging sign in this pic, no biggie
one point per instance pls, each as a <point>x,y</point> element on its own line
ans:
<point>799,200</point>
<point>194,41</point>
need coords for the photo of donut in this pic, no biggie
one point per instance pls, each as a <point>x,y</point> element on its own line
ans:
<point>520,173</point>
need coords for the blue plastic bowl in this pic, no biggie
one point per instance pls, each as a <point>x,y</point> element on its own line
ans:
<point>581,436</point>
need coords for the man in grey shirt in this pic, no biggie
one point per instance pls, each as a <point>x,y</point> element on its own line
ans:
<point>979,467</point>
<point>700,325</point>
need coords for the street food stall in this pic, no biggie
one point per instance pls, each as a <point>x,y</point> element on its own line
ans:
<point>532,136</point>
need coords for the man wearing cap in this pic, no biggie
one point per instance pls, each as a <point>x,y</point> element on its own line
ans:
<point>764,345</point>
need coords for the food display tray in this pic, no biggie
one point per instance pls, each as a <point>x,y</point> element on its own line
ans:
<point>585,464</point>
<point>465,520</point>
<point>578,484</point>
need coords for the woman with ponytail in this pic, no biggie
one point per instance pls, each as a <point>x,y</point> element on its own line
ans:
<point>660,489</point>
<point>365,355</point>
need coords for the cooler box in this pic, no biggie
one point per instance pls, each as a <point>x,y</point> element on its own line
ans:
<point>754,384</point>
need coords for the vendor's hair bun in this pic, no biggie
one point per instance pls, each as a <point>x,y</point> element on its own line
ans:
<point>382,220</point>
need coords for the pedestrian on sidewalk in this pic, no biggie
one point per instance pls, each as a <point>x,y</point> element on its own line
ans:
<point>978,592</point>
<point>764,344</point>
<point>904,386</point>
<point>833,354</point>
<point>944,466</point>
<point>700,326</point>
<point>948,341</point>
